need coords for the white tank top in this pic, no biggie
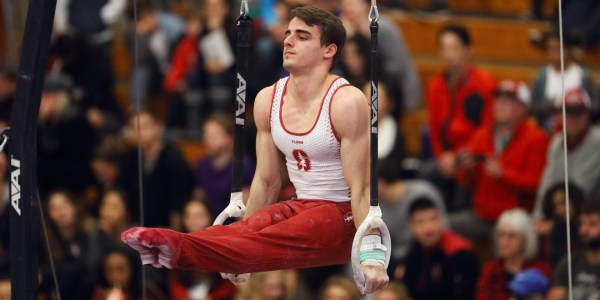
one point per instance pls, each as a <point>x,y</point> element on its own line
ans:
<point>313,158</point>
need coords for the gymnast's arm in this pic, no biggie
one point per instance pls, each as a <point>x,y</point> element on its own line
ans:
<point>350,119</point>
<point>267,181</point>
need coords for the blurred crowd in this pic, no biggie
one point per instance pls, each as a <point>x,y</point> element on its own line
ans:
<point>479,213</point>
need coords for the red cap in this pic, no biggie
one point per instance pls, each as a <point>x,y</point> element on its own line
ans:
<point>576,98</point>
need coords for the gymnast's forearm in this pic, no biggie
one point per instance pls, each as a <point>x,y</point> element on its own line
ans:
<point>262,194</point>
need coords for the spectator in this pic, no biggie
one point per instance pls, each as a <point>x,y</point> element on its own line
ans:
<point>354,62</point>
<point>395,202</point>
<point>217,50</point>
<point>4,287</point>
<point>83,49</point>
<point>105,166</point>
<point>120,278</point>
<point>196,215</point>
<point>393,291</point>
<point>553,228</point>
<point>69,245</point>
<point>502,163</point>
<point>213,172</point>
<point>197,284</point>
<point>440,264</point>
<point>529,284</point>
<point>585,263</point>
<point>395,58</point>
<point>92,89</point>
<point>65,139</point>
<point>390,139</point>
<point>266,286</point>
<point>583,157</point>
<point>167,180</point>
<point>183,79</point>
<point>516,248</point>
<point>151,46</point>
<point>339,288</point>
<point>8,84</point>
<point>547,83</point>
<point>459,101</point>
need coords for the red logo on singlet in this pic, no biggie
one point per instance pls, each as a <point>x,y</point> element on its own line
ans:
<point>302,160</point>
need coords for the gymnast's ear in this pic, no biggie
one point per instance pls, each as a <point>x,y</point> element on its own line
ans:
<point>330,51</point>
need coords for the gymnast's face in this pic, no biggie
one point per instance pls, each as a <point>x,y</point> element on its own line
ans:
<point>302,47</point>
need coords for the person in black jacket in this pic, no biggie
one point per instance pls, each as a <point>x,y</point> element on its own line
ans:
<point>440,264</point>
<point>167,180</point>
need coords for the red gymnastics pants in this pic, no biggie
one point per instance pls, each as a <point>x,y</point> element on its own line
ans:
<point>287,235</point>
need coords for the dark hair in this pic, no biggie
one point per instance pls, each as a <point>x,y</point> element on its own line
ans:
<point>459,30</point>
<point>139,8</point>
<point>132,260</point>
<point>576,197</point>
<point>332,30</point>
<point>570,39</point>
<point>420,204</point>
<point>590,206</point>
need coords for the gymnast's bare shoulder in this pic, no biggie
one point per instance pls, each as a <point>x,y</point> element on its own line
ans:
<point>262,107</point>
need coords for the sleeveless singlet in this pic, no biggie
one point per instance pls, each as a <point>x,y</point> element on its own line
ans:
<point>313,158</point>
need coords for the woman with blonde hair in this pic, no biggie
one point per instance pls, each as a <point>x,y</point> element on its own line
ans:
<point>272,285</point>
<point>516,247</point>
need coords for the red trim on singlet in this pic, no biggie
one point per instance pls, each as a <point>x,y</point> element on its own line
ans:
<point>318,116</point>
<point>337,137</point>
<point>272,100</point>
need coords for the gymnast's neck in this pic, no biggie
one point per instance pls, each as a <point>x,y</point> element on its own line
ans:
<point>309,85</point>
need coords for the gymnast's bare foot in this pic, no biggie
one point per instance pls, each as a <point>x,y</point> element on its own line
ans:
<point>157,247</point>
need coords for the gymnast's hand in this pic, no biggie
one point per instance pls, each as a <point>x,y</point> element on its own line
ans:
<point>157,247</point>
<point>376,278</point>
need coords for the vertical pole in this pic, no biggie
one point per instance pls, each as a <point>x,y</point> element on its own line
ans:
<point>24,213</point>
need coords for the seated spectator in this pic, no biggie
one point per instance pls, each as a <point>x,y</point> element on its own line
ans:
<point>583,157</point>
<point>69,244</point>
<point>105,165</point>
<point>5,287</point>
<point>196,215</point>
<point>183,80</point>
<point>120,278</point>
<point>167,180</point>
<point>393,291</point>
<point>552,229</point>
<point>213,172</point>
<point>395,202</point>
<point>395,58</point>
<point>8,84</point>
<point>440,263</point>
<point>196,284</point>
<point>529,284</point>
<point>459,101</point>
<point>65,139</point>
<point>354,61</point>
<point>339,287</point>
<point>502,163</point>
<point>585,263</point>
<point>150,45</point>
<point>516,248</point>
<point>217,47</point>
<point>90,67</point>
<point>391,151</point>
<point>547,83</point>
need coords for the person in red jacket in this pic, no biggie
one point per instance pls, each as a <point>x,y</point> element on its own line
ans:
<point>502,163</point>
<point>516,248</point>
<point>459,101</point>
<point>440,264</point>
